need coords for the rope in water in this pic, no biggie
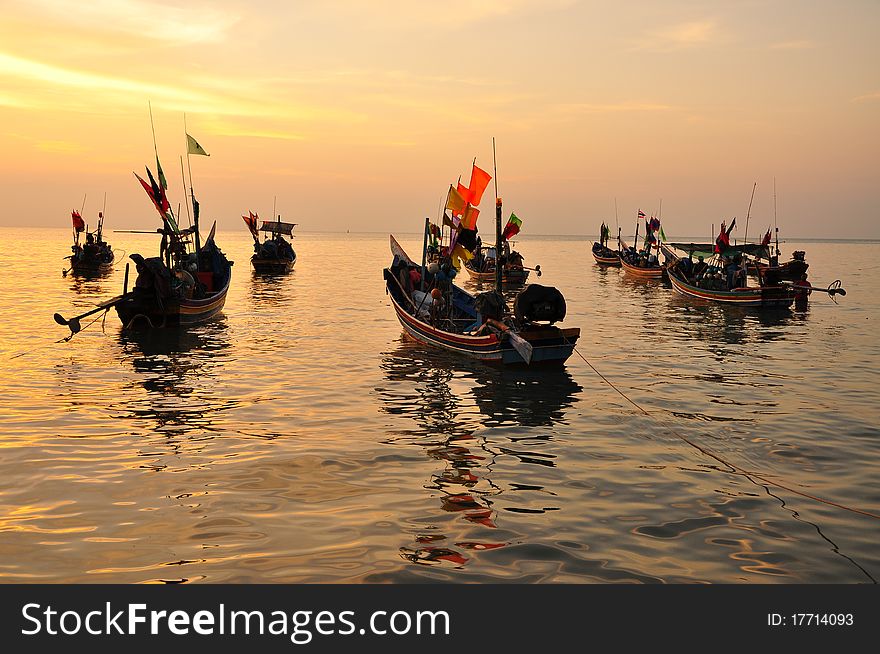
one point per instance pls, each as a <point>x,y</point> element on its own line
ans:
<point>732,466</point>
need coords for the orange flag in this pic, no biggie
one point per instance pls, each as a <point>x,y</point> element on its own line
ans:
<point>479,181</point>
<point>469,220</point>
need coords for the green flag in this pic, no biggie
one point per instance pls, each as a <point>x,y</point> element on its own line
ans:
<point>162,180</point>
<point>662,235</point>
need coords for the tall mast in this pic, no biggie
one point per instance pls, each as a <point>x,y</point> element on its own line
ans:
<point>101,217</point>
<point>775,224</point>
<point>746,236</point>
<point>183,177</point>
<point>153,128</point>
<point>616,224</point>
<point>659,211</point>
<point>192,194</point>
<point>497,222</point>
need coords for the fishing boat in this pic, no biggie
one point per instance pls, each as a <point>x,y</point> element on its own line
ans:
<point>603,254</point>
<point>481,268</point>
<point>274,255</point>
<point>514,272</point>
<point>716,281</point>
<point>459,321</point>
<point>94,257</point>
<point>185,285</point>
<point>643,264</point>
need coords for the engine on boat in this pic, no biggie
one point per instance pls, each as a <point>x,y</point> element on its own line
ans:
<point>490,305</point>
<point>539,303</point>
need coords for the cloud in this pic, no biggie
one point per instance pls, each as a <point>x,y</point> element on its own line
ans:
<point>39,81</point>
<point>193,23</point>
<point>34,71</point>
<point>868,97</point>
<point>682,36</point>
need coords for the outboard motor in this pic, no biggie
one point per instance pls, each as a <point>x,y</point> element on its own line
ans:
<point>539,303</point>
<point>490,305</point>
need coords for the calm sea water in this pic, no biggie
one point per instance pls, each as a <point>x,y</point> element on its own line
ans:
<point>300,438</point>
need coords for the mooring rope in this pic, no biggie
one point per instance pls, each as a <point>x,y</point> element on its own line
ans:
<point>733,467</point>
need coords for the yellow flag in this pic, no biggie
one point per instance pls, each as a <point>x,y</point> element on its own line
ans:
<point>460,253</point>
<point>193,147</point>
<point>454,202</point>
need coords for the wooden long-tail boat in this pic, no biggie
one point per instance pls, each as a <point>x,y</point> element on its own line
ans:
<point>764,297</point>
<point>513,272</point>
<point>630,262</point>
<point>275,255</point>
<point>462,329</point>
<point>642,264</point>
<point>95,256</point>
<point>603,254</point>
<point>172,296</point>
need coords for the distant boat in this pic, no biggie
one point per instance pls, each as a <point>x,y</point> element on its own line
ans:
<point>604,255</point>
<point>93,257</point>
<point>275,255</point>
<point>513,271</point>
<point>642,263</point>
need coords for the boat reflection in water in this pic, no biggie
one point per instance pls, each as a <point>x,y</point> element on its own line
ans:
<point>178,369</point>
<point>475,419</point>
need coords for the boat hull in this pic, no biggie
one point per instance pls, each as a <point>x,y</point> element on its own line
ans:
<point>655,272</point>
<point>550,345</point>
<point>514,276</point>
<point>763,297</point>
<point>142,311</point>
<point>91,269</point>
<point>272,266</point>
<point>605,260</point>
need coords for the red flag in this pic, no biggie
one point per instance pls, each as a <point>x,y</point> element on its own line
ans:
<point>479,181</point>
<point>149,190</point>
<point>79,224</point>
<point>723,240</point>
<point>465,193</point>
<point>512,227</point>
<point>766,240</point>
<point>251,222</point>
<point>158,193</point>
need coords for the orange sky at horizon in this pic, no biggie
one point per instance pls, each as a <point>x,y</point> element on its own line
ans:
<point>358,115</point>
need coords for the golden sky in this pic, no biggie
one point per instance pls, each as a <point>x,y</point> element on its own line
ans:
<point>358,114</point>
